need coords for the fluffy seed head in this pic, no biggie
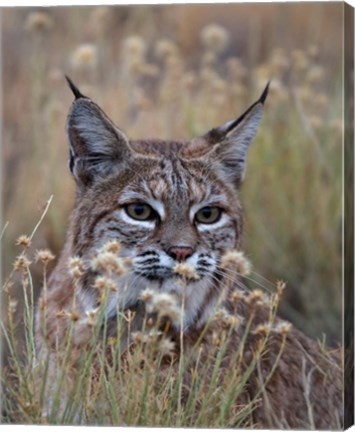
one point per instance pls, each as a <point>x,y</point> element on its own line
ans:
<point>73,315</point>
<point>100,20</point>
<point>38,22</point>
<point>236,260</point>
<point>24,241</point>
<point>227,320</point>
<point>76,267</point>
<point>134,46</point>
<point>22,262</point>
<point>214,37</point>
<point>164,304</point>
<point>263,329</point>
<point>84,56</point>
<point>91,319</point>
<point>236,295</point>
<point>257,298</point>
<point>109,262</point>
<point>283,327</point>
<point>112,246</point>
<point>280,287</point>
<point>149,337</point>
<point>147,295</point>
<point>102,283</point>
<point>44,255</point>
<point>166,347</point>
<point>185,270</point>
<point>12,306</point>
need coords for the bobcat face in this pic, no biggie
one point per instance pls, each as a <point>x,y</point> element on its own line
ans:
<point>166,202</point>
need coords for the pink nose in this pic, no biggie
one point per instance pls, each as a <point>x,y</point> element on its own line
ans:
<point>180,253</point>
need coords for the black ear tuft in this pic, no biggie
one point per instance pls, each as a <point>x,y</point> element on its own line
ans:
<point>265,93</point>
<point>74,89</point>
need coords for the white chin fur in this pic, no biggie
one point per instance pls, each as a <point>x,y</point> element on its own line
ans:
<point>192,294</point>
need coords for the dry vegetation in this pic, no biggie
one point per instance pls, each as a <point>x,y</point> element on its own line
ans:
<point>147,374</point>
<point>174,72</point>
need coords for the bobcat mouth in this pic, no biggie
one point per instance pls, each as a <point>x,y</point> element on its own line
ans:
<point>164,274</point>
<point>150,266</point>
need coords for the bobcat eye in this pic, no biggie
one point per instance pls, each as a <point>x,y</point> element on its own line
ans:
<point>208,215</point>
<point>140,212</point>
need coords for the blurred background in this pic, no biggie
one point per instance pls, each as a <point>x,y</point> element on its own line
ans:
<point>176,71</point>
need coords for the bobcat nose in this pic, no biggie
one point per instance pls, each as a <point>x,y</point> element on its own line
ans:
<point>180,253</point>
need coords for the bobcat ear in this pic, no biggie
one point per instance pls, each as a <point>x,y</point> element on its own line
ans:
<point>232,140</point>
<point>74,88</point>
<point>97,146</point>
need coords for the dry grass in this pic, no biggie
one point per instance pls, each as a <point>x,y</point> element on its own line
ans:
<point>137,378</point>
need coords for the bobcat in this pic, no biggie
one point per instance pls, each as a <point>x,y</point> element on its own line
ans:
<point>169,203</point>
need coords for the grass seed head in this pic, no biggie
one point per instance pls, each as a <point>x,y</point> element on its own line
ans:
<point>91,317</point>
<point>44,255</point>
<point>38,22</point>
<point>22,263</point>
<point>164,304</point>
<point>24,241</point>
<point>257,298</point>
<point>108,262</point>
<point>185,270</point>
<point>113,246</point>
<point>12,305</point>
<point>84,56</point>
<point>76,267</point>
<point>42,304</point>
<point>73,315</point>
<point>8,287</point>
<point>166,347</point>
<point>236,260</point>
<point>214,37</point>
<point>100,20</point>
<point>283,327</point>
<point>147,295</point>
<point>102,283</point>
<point>280,287</point>
<point>138,337</point>
<point>226,319</point>
<point>262,329</point>
<point>236,296</point>
<point>134,47</point>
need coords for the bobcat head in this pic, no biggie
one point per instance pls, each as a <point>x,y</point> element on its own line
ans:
<point>166,202</point>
